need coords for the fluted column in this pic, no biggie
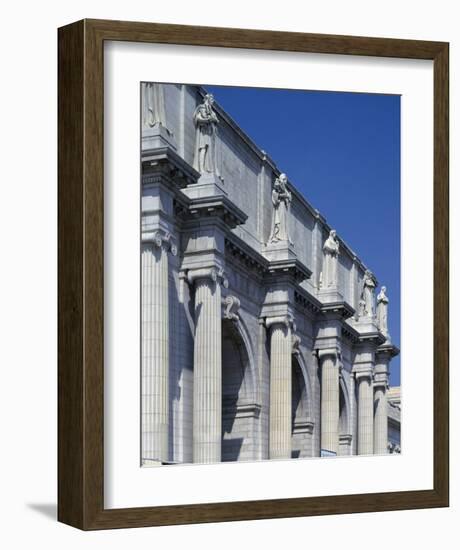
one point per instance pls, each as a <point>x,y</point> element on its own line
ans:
<point>207,369</point>
<point>365,411</point>
<point>155,347</point>
<point>329,364</point>
<point>280,387</point>
<point>381,406</point>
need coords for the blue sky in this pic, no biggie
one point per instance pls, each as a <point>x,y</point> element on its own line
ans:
<point>342,151</point>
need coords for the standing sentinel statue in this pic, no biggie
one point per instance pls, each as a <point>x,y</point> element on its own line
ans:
<point>368,294</point>
<point>154,113</point>
<point>281,199</point>
<point>206,122</point>
<point>382,312</point>
<point>331,258</point>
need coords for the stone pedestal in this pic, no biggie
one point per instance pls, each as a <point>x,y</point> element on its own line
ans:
<point>280,387</point>
<point>157,137</point>
<point>329,365</point>
<point>365,411</point>
<point>155,348</point>
<point>207,369</point>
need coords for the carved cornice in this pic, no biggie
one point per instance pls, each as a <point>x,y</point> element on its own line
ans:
<point>241,251</point>
<point>269,269</point>
<point>164,165</point>
<point>388,349</point>
<point>218,206</point>
<point>349,333</point>
<point>292,267</point>
<point>306,300</point>
<point>340,309</point>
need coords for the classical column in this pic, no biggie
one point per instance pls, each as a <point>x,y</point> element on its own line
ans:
<point>381,404</point>
<point>155,347</point>
<point>365,410</point>
<point>207,367</point>
<point>280,386</point>
<point>329,364</point>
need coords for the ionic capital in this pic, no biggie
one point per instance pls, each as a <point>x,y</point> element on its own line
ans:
<point>162,240</point>
<point>284,320</point>
<point>328,353</point>
<point>213,274</point>
<point>379,383</point>
<point>363,371</point>
<point>381,377</point>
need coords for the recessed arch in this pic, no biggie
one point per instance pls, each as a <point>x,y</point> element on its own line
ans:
<point>345,431</point>
<point>240,412</point>
<point>302,424</point>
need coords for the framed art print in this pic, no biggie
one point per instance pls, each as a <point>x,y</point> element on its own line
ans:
<point>253,274</point>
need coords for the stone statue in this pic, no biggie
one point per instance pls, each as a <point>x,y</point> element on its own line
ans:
<point>368,294</point>
<point>206,122</point>
<point>382,311</point>
<point>281,199</point>
<point>331,259</point>
<point>153,112</point>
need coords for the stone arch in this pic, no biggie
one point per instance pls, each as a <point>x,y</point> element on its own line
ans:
<point>240,412</point>
<point>345,432</point>
<point>302,423</point>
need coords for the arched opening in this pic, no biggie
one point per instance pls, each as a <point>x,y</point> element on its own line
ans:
<point>239,410</point>
<point>345,436</point>
<point>302,426</point>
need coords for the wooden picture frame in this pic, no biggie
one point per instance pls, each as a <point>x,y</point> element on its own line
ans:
<point>81,296</point>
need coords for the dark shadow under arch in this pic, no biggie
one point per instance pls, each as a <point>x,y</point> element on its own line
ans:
<point>239,410</point>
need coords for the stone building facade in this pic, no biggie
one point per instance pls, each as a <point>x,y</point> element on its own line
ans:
<point>262,335</point>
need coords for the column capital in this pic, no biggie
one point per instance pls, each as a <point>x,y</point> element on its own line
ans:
<point>381,376</point>
<point>328,352</point>
<point>285,320</point>
<point>363,371</point>
<point>214,274</point>
<point>160,239</point>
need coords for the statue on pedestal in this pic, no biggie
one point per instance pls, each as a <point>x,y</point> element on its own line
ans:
<point>281,199</point>
<point>331,259</point>
<point>153,112</point>
<point>368,294</point>
<point>382,311</point>
<point>206,122</point>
